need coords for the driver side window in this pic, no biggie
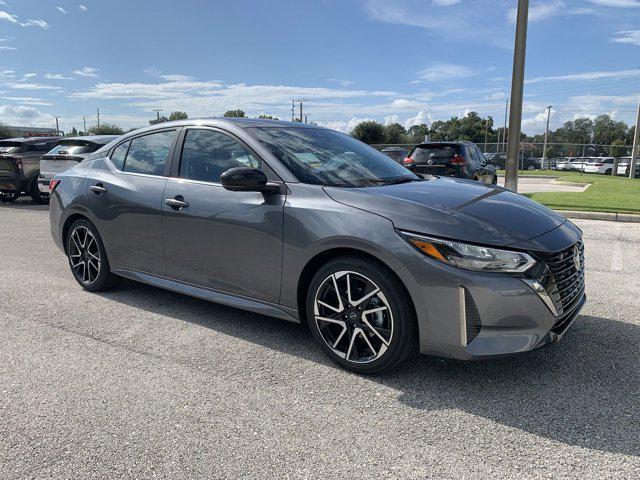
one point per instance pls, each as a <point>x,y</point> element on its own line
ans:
<point>206,154</point>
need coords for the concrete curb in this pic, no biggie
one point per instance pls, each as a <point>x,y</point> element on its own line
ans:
<point>611,217</point>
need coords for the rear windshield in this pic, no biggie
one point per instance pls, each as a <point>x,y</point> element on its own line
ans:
<point>10,147</point>
<point>74,148</point>
<point>435,153</point>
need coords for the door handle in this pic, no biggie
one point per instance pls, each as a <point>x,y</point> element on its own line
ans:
<point>97,189</point>
<point>176,202</point>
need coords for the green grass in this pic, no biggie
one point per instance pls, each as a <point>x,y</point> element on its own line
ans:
<point>606,193</point>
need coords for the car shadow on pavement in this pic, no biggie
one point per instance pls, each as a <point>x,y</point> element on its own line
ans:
<point>584,391</point>
<point>24,205</point>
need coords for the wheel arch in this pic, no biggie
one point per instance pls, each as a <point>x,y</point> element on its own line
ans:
<point>322,258</point>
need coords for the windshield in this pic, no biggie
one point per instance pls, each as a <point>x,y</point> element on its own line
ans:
<point>441,153</point>
<point>71,149</point>
<point>10,148</point>
<point>327,157</point>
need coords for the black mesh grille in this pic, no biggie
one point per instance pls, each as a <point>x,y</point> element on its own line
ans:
<point>564,280</point>
<point>472,317</point>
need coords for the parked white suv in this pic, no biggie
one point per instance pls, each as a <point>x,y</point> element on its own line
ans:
<point>602,165</point>
<point>68,152</point>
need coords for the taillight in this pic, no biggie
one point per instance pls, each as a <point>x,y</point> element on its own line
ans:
<point>53,184</point>
<point>458,160</point>
<point>409,161</point>
<point>598,164</point>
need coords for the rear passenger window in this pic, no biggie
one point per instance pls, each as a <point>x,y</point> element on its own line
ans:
<point>207,154</point>
<point>117,157</point>
<point>149,154</point>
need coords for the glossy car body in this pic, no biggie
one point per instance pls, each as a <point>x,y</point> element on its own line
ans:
<point>66,153</point>
<point>20,163</point>
<point>397,154</point>
<point>451,159</point>
<point>601,165</point>
<point>258,251</point>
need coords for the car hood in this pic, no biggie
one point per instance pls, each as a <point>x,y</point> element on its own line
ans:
<point>455,209</point>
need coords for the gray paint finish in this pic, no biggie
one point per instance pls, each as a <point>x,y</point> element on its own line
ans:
<point>249,250</point>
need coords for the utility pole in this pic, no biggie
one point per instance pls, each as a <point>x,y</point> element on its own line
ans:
<point>57,127</point>
<point>98,115</point>
<point>84,121</point>
<point>158,110</point>
<point>486,133</point>
<point>504,132</point>
<point>293,108</point>
<point>546,138</point>
<point>301,111</point>
<point>636,141</point>
<point>517,93</point>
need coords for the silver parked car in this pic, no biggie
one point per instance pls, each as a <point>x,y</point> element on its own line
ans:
<point>310,225</point>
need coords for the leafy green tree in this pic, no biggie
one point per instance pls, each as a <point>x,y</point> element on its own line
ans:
<point>267,117</point>
<point>370,132</point>
<point>106,129</point>
<point>417,133</point>
<point>579,130</point>
<point>4,131</point>
<point>394,133</point>
<point>178,115</point>
<point>72,133</point>
<point>618,148</point>
<point>234,113</point>
<point>606,130</point>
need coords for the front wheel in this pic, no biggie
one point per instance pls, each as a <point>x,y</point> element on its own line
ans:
<point>88,258</point>
<point>531,167</point>
<point>360,315</point>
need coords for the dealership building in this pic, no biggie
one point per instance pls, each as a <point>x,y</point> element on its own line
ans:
<point>33,132</point>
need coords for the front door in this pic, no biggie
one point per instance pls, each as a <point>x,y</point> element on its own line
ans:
<point>227,241</point>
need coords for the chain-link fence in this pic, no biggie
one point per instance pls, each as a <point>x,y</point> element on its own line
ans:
<point>534,150</point>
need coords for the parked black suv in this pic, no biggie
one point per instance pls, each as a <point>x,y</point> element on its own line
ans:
<point>524,163</point>
<point>451,159</point>
<point>20,167</point>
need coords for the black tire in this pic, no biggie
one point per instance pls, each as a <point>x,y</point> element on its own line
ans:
<point>531,168</point>
<point>9,196</point>
<point>102,278</point>
<point>402,329</point>
<point>607,172</point>
<point>36,195</point>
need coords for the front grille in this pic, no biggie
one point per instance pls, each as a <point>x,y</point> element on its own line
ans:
<point>564,280</point>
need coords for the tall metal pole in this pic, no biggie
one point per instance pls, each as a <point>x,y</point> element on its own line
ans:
<point>517,92</point>
<point>84,121</point>
<point>504,132</point>
<point>293,108</point>
<point>301,111</point>
<point>57,127</point>
<point>636,145</point>
<point>98,115</point>
<point>486,133</point>
<point>546,138</point>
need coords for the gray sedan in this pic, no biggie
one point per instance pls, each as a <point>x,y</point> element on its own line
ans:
<point>310,225</point>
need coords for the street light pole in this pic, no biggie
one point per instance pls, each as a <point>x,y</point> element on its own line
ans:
<point>57,127</point>
<point>546,138</point>
<point>504,131</point>
<point>636,141</point>
<point>517,92</point>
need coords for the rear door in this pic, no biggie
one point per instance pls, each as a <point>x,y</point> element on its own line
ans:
<point>126,196</point>
<point>227,241</point>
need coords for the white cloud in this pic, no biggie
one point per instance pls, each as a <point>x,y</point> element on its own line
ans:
<point>446,3</point>
<point>32,86</point>
<point>172,77</point>
<point>445,71</point>
<point>35,23</point>
<point>83,7</point>
<point>29,101</point>
<point>389,119</point>
<point>344,126</point>
<point>27,76</point>
<point>6,47</point>
<point>56,76</point>
<point>7,74</point>
<point>585,76</point>
<point>631,37</point>
<point>23,115</point>
<point>61,10</point>
<point>341,81</point>
<point>617,3</point>
<point>87,72</point>
<point>420,118</point>
<point>539,11</point>
<point>8,17</point>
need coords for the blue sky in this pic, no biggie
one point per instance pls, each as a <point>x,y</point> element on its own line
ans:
<point>410,61</point>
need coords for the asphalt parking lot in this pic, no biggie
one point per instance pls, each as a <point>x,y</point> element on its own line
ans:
<point>143,383</point>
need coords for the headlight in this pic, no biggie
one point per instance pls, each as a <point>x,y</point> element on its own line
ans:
<point>471,257</point>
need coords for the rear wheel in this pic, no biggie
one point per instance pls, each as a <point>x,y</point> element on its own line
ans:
<point>36,195</point>
<point>9,196</point>
<point>360,315</point>
<point>531,167</point>
<point>607,171</point>
<point>88,258</point>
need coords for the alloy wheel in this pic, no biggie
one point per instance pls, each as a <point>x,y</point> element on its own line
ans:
<point>353,317</point>
<point>84,255</point>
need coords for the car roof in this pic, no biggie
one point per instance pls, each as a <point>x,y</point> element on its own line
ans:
<point>100,139</point>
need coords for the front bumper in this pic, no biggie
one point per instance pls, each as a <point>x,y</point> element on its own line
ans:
<point>473,315</point>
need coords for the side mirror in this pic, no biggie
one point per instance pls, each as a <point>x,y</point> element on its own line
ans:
<point>246,179</point>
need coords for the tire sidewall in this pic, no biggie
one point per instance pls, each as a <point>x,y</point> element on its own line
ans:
<point>104,277</point>
<point>402,314</point>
